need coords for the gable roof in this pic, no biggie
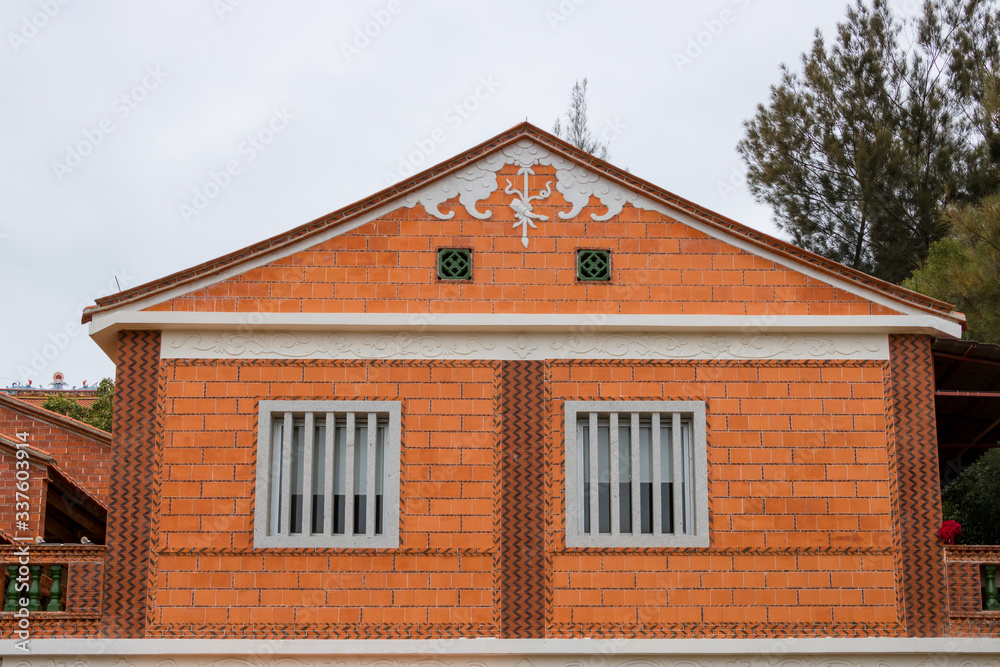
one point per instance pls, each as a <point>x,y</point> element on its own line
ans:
<point>55,419</point>
<point>755,239</point>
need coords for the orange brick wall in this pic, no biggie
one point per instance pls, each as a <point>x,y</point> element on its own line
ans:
<point>800,485</point>
<point>442,580</point>
<point>801,509</point>
<point>660,266</point>
<point>86,461</point>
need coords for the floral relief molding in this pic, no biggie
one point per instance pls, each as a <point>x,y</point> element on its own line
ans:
<point>478,181</point>
<point>534,346</point>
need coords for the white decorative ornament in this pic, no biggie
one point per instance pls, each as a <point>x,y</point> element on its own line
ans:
<point>261,344</point>
<point>620,345</point>
<point>304,345</point>
<point>522,346</point>
<point>478,181</point>
<point>429,347</point>
<point>522,205</point>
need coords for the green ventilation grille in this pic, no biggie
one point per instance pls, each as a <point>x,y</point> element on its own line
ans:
<point>455,264</point>
<point>593,265</point>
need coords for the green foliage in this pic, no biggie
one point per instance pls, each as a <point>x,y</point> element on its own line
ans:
<point>973,500</point>
<point>858,152</point>
<point>577,128</point>
<point>98,414</point>
<point>964,267</point>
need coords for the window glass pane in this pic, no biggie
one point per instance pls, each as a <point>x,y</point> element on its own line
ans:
<point>379,476</point>
<point>687,488</point>
<point>360,474</point>
<point>318,475</point>
<point>583,466</point>
<point>624,474</point>
<point>666,476</point>
<point>339,477</point>
<point>277,427</point>
<point>646,476</point>
<point>604,477</point>
<point>298,474</point>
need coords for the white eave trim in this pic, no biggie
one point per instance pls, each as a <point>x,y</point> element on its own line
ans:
<point>103,328</point>
<point>871,646</point>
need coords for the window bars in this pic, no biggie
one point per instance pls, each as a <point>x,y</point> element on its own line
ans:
<point>636,474</point>
<point>328,476</point>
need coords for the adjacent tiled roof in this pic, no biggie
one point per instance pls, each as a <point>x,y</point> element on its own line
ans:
<point>84,397</point>
<point>556,145</point>
<point>54,418</point>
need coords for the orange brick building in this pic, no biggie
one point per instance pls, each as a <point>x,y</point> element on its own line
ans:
<point>65,467</point>
<point>405,421</point>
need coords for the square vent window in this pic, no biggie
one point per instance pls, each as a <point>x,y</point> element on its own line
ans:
<point>454,264</point>
<point>593,265</point>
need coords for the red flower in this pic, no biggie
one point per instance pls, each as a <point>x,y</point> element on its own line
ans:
<point>949,531</point>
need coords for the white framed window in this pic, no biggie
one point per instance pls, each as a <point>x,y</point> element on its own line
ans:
<point>328,474</point>
<point>636,474</point>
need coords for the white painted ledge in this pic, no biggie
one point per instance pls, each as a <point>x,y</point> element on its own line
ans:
<point>939,646</point>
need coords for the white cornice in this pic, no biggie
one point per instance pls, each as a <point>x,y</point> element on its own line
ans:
<point>104,327</point>
<point>775,648</point>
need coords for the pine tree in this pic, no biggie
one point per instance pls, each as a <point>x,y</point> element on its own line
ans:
<point>859,152</point>
<point>577,128</point>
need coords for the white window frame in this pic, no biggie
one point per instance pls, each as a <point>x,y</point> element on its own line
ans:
<point>375,412</point>
<point>695,534</point>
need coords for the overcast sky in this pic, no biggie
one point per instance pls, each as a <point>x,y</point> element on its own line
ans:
<point>116,114</point>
